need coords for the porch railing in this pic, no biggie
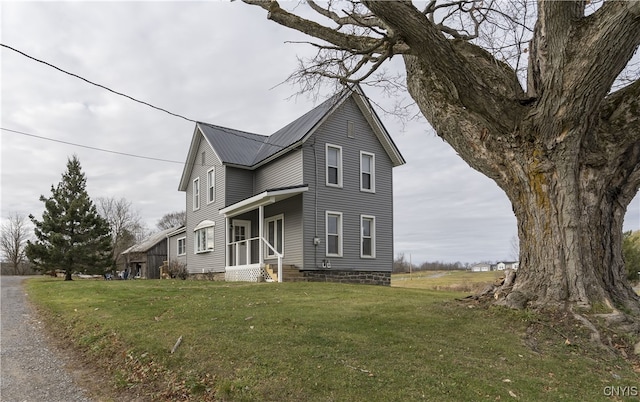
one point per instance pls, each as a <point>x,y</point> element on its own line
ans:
<point>236,253</point>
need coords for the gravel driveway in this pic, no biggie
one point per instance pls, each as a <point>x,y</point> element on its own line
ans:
<point>32,370</point>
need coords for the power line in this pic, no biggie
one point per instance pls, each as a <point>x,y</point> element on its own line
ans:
<point>228,131</point>
<point>89,147</point>
<point>98,85</point>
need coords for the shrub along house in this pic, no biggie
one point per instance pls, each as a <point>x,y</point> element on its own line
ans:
<point>312,201</point>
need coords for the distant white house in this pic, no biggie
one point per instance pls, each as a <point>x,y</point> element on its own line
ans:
<point>502,265</point>
<point>499,266</point>
<point>482,267</point>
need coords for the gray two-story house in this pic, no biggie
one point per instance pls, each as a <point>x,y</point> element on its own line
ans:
<point>312,201</point>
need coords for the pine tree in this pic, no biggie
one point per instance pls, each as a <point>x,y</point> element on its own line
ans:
<point>72,236</point>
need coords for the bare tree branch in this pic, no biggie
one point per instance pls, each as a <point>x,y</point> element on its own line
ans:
<point>13,241</point>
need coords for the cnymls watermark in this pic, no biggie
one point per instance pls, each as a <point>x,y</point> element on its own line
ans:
<point>619,390</point>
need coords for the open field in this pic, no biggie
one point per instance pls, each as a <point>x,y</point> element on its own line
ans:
<point>321,342</point>
<point>460,281</point>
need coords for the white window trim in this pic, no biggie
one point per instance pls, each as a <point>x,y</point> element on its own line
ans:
<point>211,174</point>
<point>268,253</point>
<point>326,230</point>
<point>372,173</point>
<point>196,194</point>
<point>373,236</point>
<point>184,246</point>
<point>326,170</point>
<point>209,230</point>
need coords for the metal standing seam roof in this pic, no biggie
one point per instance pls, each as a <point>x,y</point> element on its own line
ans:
<point>233,146</point>
<point>248,149</point>
<point>146,244</point>
<point>297,129</point>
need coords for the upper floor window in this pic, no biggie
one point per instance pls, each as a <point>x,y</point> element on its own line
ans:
<point>334,234</point>
<point>211,185</point>
<point>334,165</point>
<point>367,236</point>
<point>196,193</point>
<point>274,233</point>
<point>182,243</point>
<point>367,172</point>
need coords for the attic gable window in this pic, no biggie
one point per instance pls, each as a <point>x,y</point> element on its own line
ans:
<point>351,130</point>
<point>334,165</point>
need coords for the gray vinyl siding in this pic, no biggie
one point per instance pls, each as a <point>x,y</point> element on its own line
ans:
<point>293,238</point>
<point>238,185</point>
<point>285,171</point>
<point>212,261</point>
<point>172,252</point>
<point>348,200</point>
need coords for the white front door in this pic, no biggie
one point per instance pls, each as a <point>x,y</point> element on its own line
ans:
<point>242,249</point>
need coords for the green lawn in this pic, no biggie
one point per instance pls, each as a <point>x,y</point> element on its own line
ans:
<point>321,342</point>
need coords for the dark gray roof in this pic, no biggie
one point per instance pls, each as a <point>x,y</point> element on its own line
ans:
<point>233,146</point>
<point>248,149</point>
<point>297,129</point>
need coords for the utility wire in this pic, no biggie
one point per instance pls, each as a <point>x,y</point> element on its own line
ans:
<point>96,84</point>
<point>89,147</point>
<point>228,131</point>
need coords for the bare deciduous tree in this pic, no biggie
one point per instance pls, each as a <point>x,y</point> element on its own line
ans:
<point>172,220</point>
<point>126,224</point>
<point>563,143</point>
<point>13,241</point>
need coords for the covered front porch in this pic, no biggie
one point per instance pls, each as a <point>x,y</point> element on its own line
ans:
<point>254,234</point>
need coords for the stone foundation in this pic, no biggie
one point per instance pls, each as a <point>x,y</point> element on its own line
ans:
<point>209,276</point>
<point>365,277</point>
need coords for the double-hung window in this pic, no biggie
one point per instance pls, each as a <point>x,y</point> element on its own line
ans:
<point>334,234</point>
<point>211,185</point>
<point>196,193</point>
<point>274,233</point>
<point>367,172</point>
<point>182,243</point>
<point>367,236</point>
<point>203,237</point>
<point>334,165</point>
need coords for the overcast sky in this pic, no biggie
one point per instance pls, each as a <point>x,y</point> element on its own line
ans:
<point>209,61</point>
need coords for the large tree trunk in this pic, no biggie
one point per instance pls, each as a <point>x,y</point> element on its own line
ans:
<point>569,190</point>
<point>570,233</point>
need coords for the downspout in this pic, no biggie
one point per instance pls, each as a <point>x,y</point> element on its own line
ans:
<point>169,254</point>
<point>315,243</point>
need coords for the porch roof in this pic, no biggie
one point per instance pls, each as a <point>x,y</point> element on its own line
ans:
<point>262,199</point>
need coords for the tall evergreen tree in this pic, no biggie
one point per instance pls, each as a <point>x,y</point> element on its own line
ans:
<point>72,236</point>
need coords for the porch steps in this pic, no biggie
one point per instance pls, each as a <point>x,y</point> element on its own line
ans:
<point>289,273</point>
<point>273,275</point>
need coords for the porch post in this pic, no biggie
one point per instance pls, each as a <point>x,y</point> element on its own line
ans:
<point>260,233</point>
<point>226,241</point>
